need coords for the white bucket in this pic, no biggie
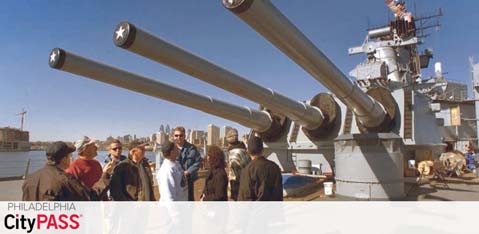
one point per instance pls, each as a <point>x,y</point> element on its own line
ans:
<point>328,188</point>
<point>411,164</point>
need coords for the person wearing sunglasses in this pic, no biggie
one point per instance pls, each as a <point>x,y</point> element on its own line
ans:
<point>189,159</point>
<point>114,153</point>
<point>132,179</point>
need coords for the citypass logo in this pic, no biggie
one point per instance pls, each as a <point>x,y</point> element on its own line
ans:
<point>60,216</point>
<point>42,222</point>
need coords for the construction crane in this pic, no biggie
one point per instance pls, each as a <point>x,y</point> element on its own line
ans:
<point>22,114</point>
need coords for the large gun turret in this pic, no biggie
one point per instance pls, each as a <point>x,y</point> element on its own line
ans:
<point>267,20</point>
<point>258,120</point>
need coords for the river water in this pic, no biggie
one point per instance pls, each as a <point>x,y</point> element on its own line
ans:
<point>14,163</point>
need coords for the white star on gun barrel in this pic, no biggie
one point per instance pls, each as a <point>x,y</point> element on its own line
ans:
<point>53,56</point>
<point>119,33</point>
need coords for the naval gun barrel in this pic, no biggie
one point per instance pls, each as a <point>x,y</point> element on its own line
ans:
<point>66,61</point>
<point>136,40</point>
<point>267,20</point>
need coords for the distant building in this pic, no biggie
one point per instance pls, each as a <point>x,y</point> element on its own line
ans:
<point>213,135</point>
<point>126,139</point>
<point>143,139</point>
<point>190,137</point>
<point>160,137</point>
<point>196,137</point>
<point>152,137</point>
<point>188,134</point>
<point>109,139</point>
<point>12,139</point>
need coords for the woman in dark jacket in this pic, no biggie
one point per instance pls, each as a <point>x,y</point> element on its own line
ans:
<point>216,180</point>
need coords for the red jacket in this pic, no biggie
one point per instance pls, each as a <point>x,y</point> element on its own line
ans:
<point>86,171</point>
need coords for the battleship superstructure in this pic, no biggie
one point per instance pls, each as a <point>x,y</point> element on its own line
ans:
<point>363,131</point>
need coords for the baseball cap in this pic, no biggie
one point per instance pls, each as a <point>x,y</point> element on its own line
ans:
<point>58,150</point>
<point>83,143</point>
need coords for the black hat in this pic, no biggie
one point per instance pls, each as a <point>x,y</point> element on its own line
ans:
<point>136,144</point>
<point>255,145</point>
<point>58,150</point>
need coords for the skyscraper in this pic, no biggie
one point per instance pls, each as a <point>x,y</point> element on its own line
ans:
<point>161,137</point>
<point>188,134</point>
<point>167,130</point>
<point>213,134</point>
<point>196,137</point>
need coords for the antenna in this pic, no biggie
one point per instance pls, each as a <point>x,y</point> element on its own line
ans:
<point>473,78</point>
<point>368,21</point>
<point>22,114</point>
<point>415,9</point>
<point>421,23</point>
<point>424,24</point>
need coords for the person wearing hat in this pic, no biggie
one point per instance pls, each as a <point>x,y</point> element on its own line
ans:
<point>86,168</point>
<point>132,179</point>
<point>237,160</point>
<point>52,183</point>
<point>261,180</point>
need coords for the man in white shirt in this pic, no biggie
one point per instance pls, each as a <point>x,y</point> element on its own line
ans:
<point>170,176</point>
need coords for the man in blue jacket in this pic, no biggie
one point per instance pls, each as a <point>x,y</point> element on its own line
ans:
<point>189,158</point>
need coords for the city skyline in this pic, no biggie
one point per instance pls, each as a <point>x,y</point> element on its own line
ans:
<point>62,106</point>
<point>192,136</point>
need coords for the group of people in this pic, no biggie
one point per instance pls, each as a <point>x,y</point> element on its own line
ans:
<point>251,176</point>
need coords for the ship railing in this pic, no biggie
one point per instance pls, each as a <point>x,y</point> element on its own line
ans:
<point>17,165</point>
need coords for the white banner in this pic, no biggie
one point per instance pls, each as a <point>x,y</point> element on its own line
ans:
<point>239,217</point>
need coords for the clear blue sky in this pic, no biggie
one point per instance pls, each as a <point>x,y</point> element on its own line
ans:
<point>62,106</point>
